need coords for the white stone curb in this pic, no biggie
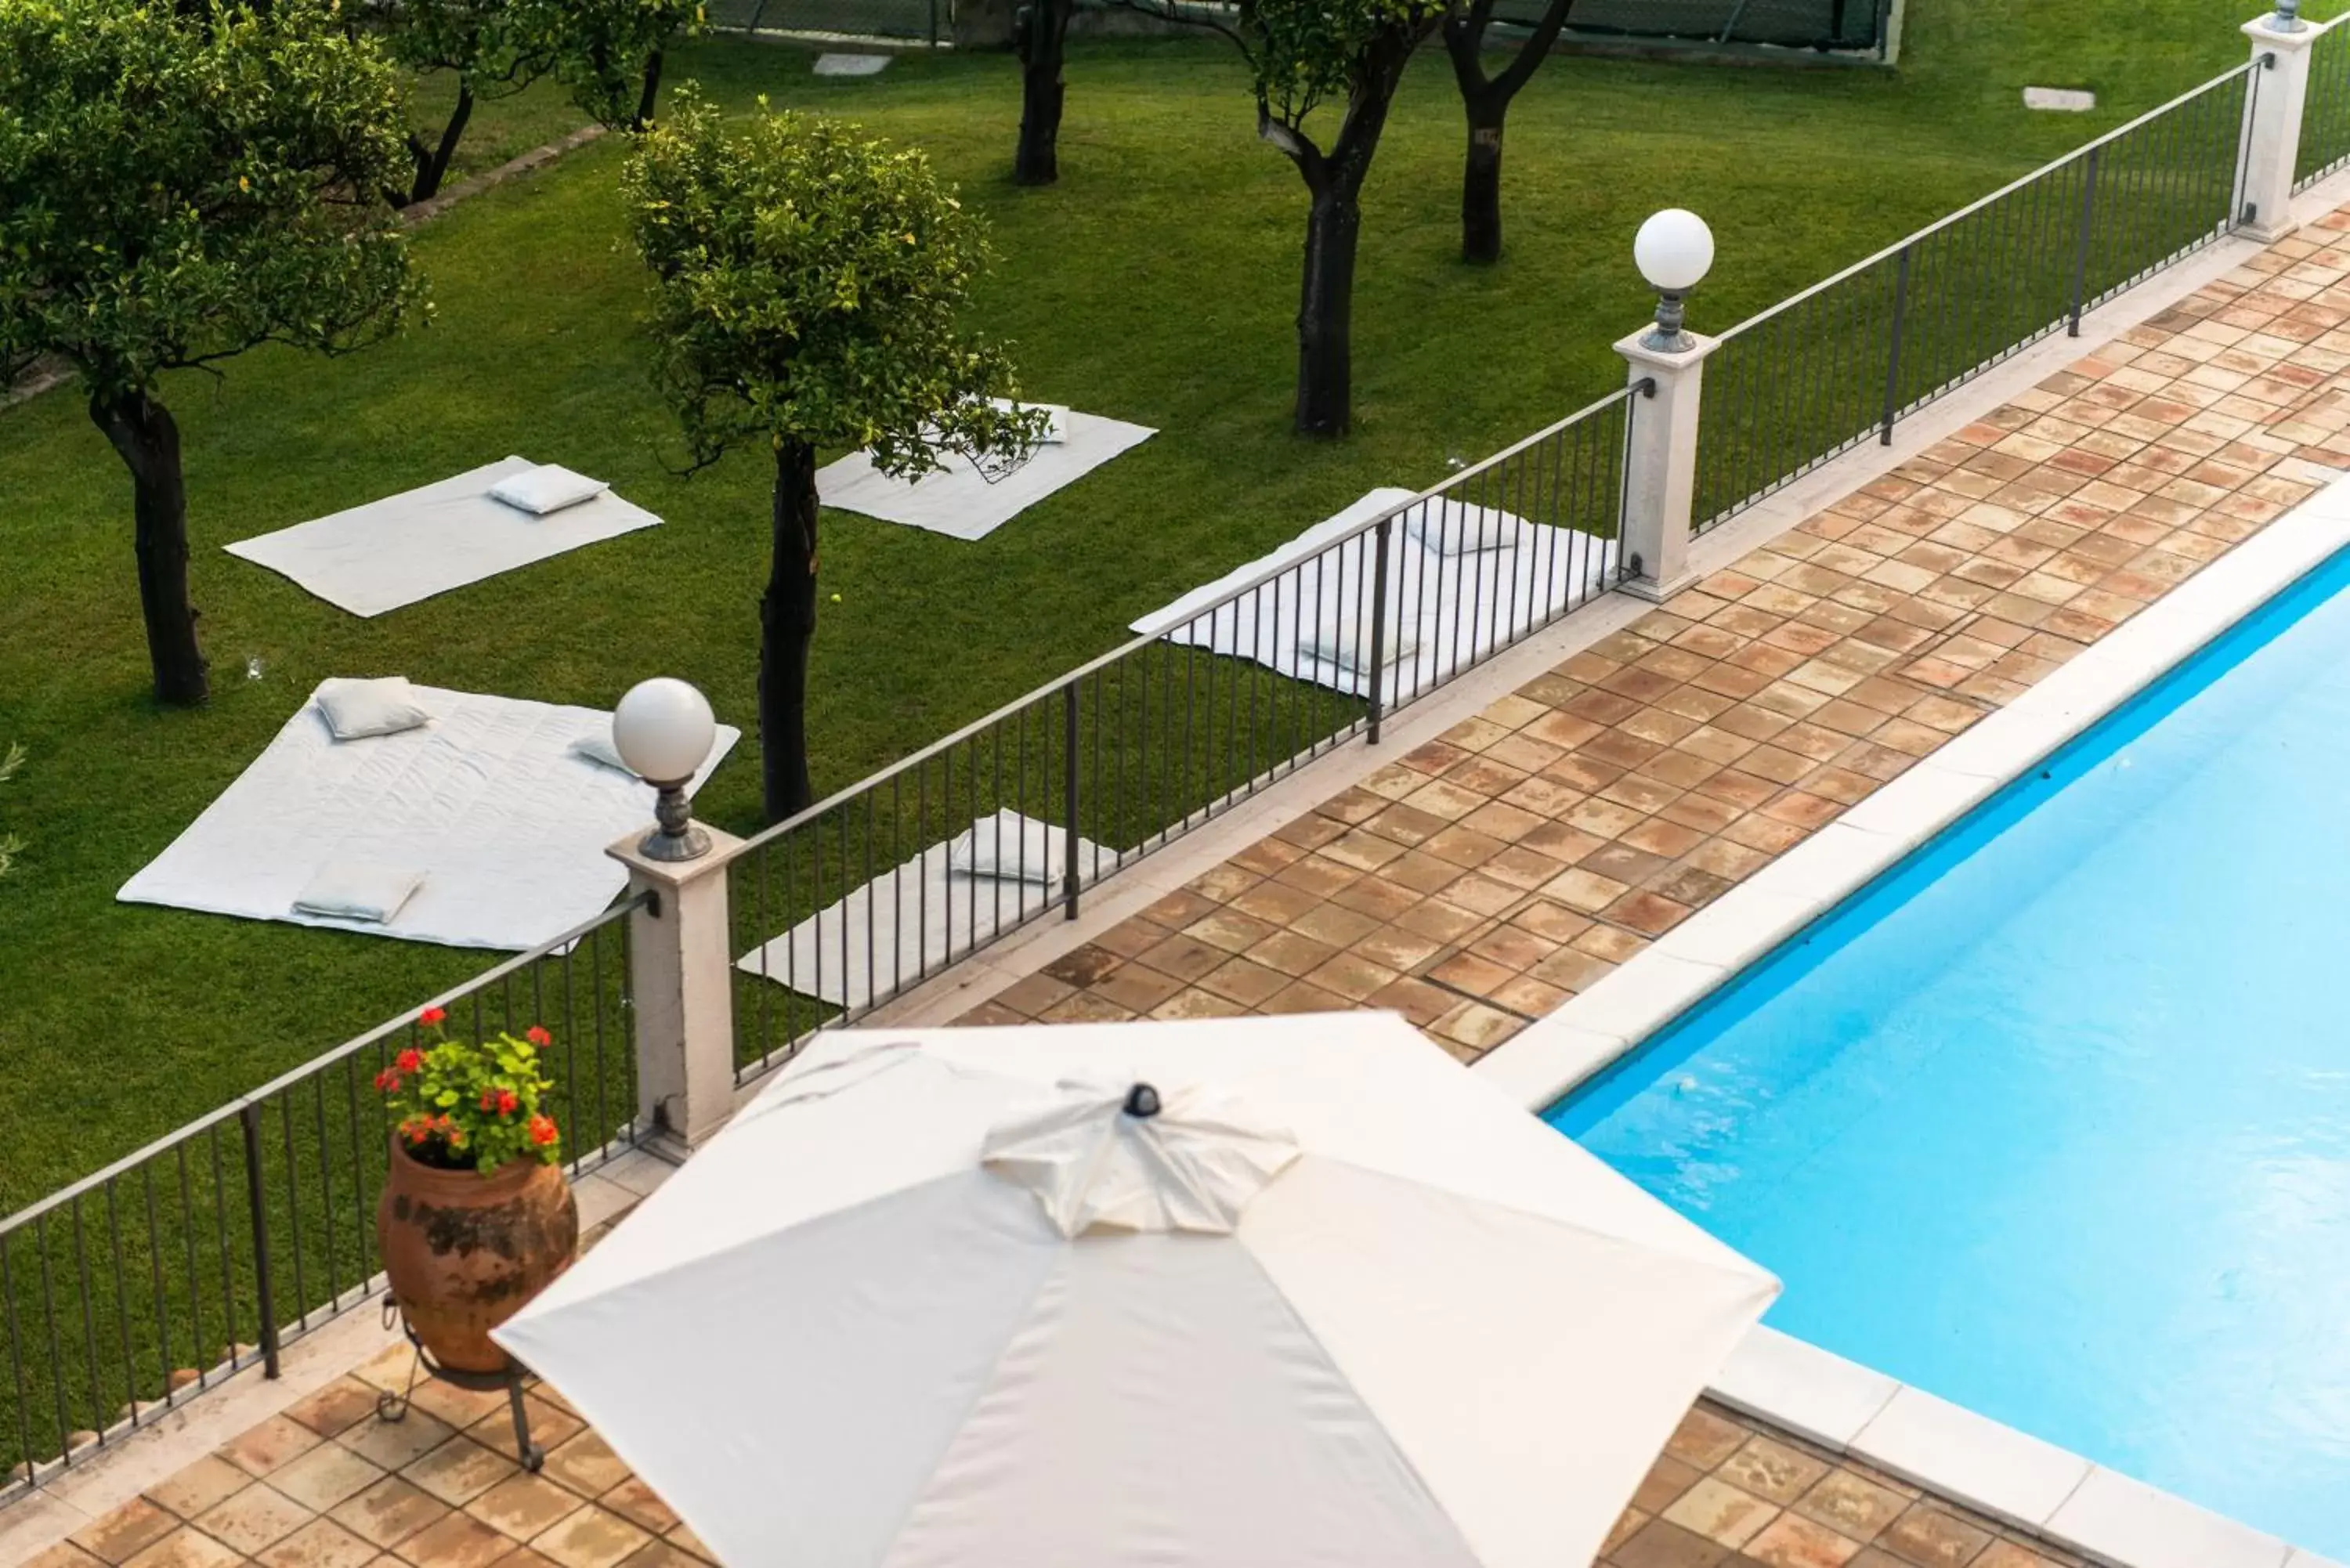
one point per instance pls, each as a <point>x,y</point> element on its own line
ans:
<point>1905,1431</point>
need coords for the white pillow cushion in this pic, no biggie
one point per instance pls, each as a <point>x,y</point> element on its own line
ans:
<point>358,890</point>
<point>1347,643</point>
<point>598,748</point>
<point>1457,530</point>
<point>1010,848</point>
<point>1056,417</point>
<point>355,709</point>
<point>549,487</point>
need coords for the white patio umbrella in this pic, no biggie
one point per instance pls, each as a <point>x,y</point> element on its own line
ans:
<point>1239,1293</point>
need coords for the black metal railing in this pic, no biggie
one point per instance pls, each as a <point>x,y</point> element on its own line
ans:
<point>893,21</point>
<point>865,895</point>
<point>1846,360</point>
<point>2325,111</point>
<point>143,1286</point>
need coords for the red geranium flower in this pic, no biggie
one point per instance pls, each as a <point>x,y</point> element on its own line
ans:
<point>387,1080</point>
<point>489,1099</point>
<point>408,1061</point>
<point>507,1101</point>
<point>542,1130</point>
<point>431,1015</point>
<point>537,1035</point>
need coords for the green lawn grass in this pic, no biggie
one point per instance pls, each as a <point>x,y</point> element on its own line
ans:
<point>1156,282</point>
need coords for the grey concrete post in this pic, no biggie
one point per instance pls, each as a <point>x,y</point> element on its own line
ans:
<point>1660,465</point>
<point>682,975</point>
<point>2272,125</point>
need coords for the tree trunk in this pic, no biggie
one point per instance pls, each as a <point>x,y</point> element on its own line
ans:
<point>1325,308</point>
<point>142,431</point>
<point>651,94</point>
<point>433,162</point>
<point>1481,184</point>
<point>1043,37</point>
<point>1486,101</point>
<point>787,625</point>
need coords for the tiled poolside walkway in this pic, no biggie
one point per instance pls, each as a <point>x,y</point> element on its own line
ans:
<point>1477,883</point>
<point>328,1485</point>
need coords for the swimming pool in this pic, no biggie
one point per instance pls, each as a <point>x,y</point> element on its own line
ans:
<point>2054,1120</point>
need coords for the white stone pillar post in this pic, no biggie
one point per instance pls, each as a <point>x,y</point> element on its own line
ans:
<point>2272,125</point>
<point>682,979</point>
<point>1661,464</point>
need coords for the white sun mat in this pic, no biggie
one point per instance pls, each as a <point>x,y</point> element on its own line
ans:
<point>507,825</point>
<point>1443,612</point>
<point>908,921</point>
<point>962,500</point>
<point>410,547</point>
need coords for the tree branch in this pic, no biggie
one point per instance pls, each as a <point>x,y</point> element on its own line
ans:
<point>1167,12</point>
<point>1535,49</point>
<point>1294,143</point>
<point>1465,40</point>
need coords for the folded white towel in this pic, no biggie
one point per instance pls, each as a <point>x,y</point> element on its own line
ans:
<point>549,487</point>
<point>598,748</point>
<point>1010,848</point>
<point>355,709</point>
<point>1448,528</point>
<point>358,890</point>
<point>1347,645</point>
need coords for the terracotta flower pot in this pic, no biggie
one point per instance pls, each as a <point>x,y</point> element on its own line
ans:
<point>464,1251</point>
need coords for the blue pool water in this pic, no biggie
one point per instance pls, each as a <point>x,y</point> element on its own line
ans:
<point>2054,1121</point>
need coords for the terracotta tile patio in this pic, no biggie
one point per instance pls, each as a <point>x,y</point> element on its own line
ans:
<point>329,1485</point>
<point>1476,883</point>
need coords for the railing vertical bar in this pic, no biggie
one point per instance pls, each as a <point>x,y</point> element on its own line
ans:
<point>62,1411</point>
<point>327,1188</point>
<point>121,1297</point>
<point>249,1118</point>
<point>89,1321</point>
<point>228,1264</point>
<point>1069,804</point>
<point>293,1214</point>
<point>155,1281</point>
<point>196,1357</point>
<point>2080,251</point>
<point>1381,534</point>
<point>16,1349</point>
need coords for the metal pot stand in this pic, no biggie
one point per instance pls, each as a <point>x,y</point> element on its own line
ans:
<point>391,1406</point>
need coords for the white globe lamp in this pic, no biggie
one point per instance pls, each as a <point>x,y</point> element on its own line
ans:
<point>662,730</point>
<point>1673,250</point>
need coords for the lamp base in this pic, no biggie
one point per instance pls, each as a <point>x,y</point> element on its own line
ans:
<point>679,836</point>
<point>690,844</point>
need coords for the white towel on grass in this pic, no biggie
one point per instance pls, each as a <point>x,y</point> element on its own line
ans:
<point>505,825</point>
<point>1444,612</point>
<point>912,920</point>
<point>966,503</point>
<point>422,541</point>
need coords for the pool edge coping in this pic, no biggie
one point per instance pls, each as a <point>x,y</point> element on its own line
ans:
<point>1812,1393</point>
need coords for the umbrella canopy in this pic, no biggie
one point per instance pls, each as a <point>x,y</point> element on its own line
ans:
<point>1233,1292</point>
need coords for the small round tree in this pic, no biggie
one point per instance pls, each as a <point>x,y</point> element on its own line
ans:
<point>495,48</point>
<point>807,282</point>
<point>610,52</point>
<point>177,186</point>
<point>1303,55</point>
